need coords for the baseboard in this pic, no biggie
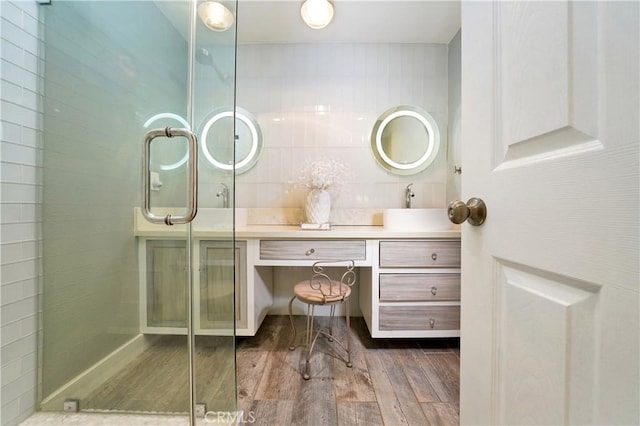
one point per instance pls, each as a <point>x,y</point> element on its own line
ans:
<point>87,381</point>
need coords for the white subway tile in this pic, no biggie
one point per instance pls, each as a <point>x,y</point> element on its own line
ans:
<point>19,114</point>
<point>16,291</point>
<point>18,387</point>
<point>18,232</point>
<point>11,132</point>
<point>19,193</point>
<point>19,271</point>
<point>11,92</point>
<point>11,172</point>
<point>29,324</point>
<point>10,253</point>
<point>13,153</point>
<point>17,349</point>
<point>31,8</point>
<point>11,371</point>
<point>29,362</point>
<point>10,12</point>
<point>30,174</point>
<point>30,24</point>
<point>11,53</point>
<point>30,100</point>
<point>10,333</point>
<point>30,212</point>
<point>10,409</point>
<point>28,399</point>
<point>12,73</point>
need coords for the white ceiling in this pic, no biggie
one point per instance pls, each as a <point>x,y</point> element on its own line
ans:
<point>373,21</point>
<point>355,21</point>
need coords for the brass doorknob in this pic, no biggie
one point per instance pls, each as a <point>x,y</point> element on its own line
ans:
<point>474,211</point>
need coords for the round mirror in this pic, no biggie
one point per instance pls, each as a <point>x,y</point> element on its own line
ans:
<point>216,133</point>
<point>405,140</point>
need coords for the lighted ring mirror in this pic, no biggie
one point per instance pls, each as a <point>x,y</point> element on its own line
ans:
<point>216,132</point>
<point>405,140</point>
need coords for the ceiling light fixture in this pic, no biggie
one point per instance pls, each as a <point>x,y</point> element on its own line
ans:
<point>317,14</point>
<point>215,15</point>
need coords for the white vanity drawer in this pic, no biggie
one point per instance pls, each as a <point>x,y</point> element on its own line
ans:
<point>419,254</point>
<point>419,318</point>
<point>313,250</point>
<point>419,287</point>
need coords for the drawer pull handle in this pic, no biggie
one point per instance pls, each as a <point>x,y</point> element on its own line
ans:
<point>432,323</point>
<point>310,252</point>
<point>434,290</point>
<point>434,256</point>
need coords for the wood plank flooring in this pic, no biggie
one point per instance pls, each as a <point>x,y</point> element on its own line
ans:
<point>392,381</point>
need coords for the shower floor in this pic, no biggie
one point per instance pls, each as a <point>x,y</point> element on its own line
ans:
<point>392,381</point>
<point>158,379</point>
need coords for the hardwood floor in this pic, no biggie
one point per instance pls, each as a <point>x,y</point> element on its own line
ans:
<point>392,381</point>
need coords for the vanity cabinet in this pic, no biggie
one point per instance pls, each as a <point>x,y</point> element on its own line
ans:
<point>415,289</point>
<point>218,295</point>
<point>408,282</point>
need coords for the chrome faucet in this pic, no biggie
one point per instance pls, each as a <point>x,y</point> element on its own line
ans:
<point>408,195</point>
<point>224,193</point>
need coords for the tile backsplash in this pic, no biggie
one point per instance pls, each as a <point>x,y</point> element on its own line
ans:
<point>322,100</point>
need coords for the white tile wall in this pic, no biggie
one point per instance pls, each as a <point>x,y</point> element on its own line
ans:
<point>454,157</point>
<point>20,198</point>
<point>284,85</point>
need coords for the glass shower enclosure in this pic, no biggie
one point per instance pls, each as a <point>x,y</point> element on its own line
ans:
<point>117,290</point>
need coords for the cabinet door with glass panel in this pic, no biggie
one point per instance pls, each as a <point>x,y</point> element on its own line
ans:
<point>219,295</point>
<point>164,307</point>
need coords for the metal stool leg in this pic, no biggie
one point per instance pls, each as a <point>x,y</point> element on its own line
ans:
<point>293,337</point>
<point>310,341</point>
<point>332,315</point>
<point>349,364</point>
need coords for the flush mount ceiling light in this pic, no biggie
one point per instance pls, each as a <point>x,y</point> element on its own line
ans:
<point>317,14</point>
<point>215,15</point>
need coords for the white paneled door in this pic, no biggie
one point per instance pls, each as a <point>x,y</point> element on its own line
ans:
<point>550,282</point>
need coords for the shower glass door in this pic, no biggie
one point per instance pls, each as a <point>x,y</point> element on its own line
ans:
<point>115,291</point>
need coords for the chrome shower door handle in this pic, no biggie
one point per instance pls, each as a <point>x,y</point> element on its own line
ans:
<point>192,181</point>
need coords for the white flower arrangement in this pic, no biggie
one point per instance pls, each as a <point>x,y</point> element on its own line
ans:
<point>323,173</point>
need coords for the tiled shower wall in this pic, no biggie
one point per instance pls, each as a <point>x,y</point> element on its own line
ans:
<point>104,95</point>
<point>322,100</point>
<point>20,197</point>
<point>107,72</point>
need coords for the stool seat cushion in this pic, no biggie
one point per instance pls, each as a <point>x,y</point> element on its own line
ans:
<point>306,294</point>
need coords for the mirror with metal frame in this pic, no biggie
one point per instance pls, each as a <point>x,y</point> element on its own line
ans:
<point>405,140</point>
<point>216,131</point>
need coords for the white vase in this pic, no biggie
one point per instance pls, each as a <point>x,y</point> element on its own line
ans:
<point>318,206</point>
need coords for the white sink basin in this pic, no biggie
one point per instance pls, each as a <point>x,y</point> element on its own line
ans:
<point>212,218</point>
<point>417,220</point>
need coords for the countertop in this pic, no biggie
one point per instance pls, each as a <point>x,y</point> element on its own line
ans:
<point>203,228</point>
<point>290,232</point>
